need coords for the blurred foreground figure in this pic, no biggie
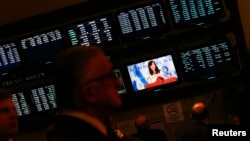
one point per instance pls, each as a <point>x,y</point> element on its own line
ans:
<point>197,131</point>
<point>120,136</point>
<point>233,119</point>
<point>145,133</point>
<point>86,92</point>
<point>8,116</point>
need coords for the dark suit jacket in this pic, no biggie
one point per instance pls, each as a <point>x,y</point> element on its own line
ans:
<point>151,135</point>
<point>195,132</point>
<point>68,128</point>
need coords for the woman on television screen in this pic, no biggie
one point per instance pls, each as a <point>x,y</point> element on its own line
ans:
<point>155,73</point>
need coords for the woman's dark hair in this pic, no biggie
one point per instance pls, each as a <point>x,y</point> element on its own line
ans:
<point>157,70</point>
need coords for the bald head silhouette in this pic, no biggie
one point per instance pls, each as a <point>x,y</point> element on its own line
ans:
<point>141,122</point>
<point>199,112</point>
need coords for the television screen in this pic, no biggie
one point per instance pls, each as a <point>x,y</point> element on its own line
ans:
<point>9,56</point>
<point>94,31</point>
<point>44,98</point>
<point>142,21</point>
<point>22,107</point>
<point>153,72</point>
<point>195,12</point>
<point>208,61</point>
<point>122,89</point>
<point>42,47</point>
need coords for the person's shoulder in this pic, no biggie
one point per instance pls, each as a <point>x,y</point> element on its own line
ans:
<point>197,128</point>
<point>132,138</point>
<point>157,130</point>
<point>159,134</point>
<point>135,134</point>
<point>198,125</point>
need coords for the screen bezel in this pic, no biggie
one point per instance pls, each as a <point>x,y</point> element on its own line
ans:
<point>7,68</point>
<point>122,80</point>
<point>27,102</point>
<point>146,34</point>
<point>43,59</point>
<point>200,21</point>
<point>157,88</point>
<point>107,44</point>
<point>209,73</point>
<point>44,112</point>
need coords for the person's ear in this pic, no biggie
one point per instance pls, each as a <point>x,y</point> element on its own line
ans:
<point>88,93</point>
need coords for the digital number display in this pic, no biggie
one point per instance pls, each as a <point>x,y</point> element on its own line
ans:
<point>22,108</point>
<point>92,32</point>
<point>9,56</point>
<point>44,98</point>
<point>43,46</point>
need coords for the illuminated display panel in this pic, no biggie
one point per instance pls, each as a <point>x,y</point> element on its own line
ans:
<point>9,56</point>
<point>195,12</point>
<point>142,21</point>
<point>95,31</point>
<point>44,98</point>
<point>21,104</point>
<point>142,79</point>
<point>122,89</point>
<point>208,61</point>
<point>42,47</point>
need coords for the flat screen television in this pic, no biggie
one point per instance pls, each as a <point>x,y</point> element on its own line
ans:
<point>43,46</point>
<point>209,60</point>
<point>44,98</point>
<point>187,13</point>
<point>97,30</point>
<point>142,78</point>
<point>21,103</point>
<point>9,56</point>
<point>122,89</point>
<point>142,21</point>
